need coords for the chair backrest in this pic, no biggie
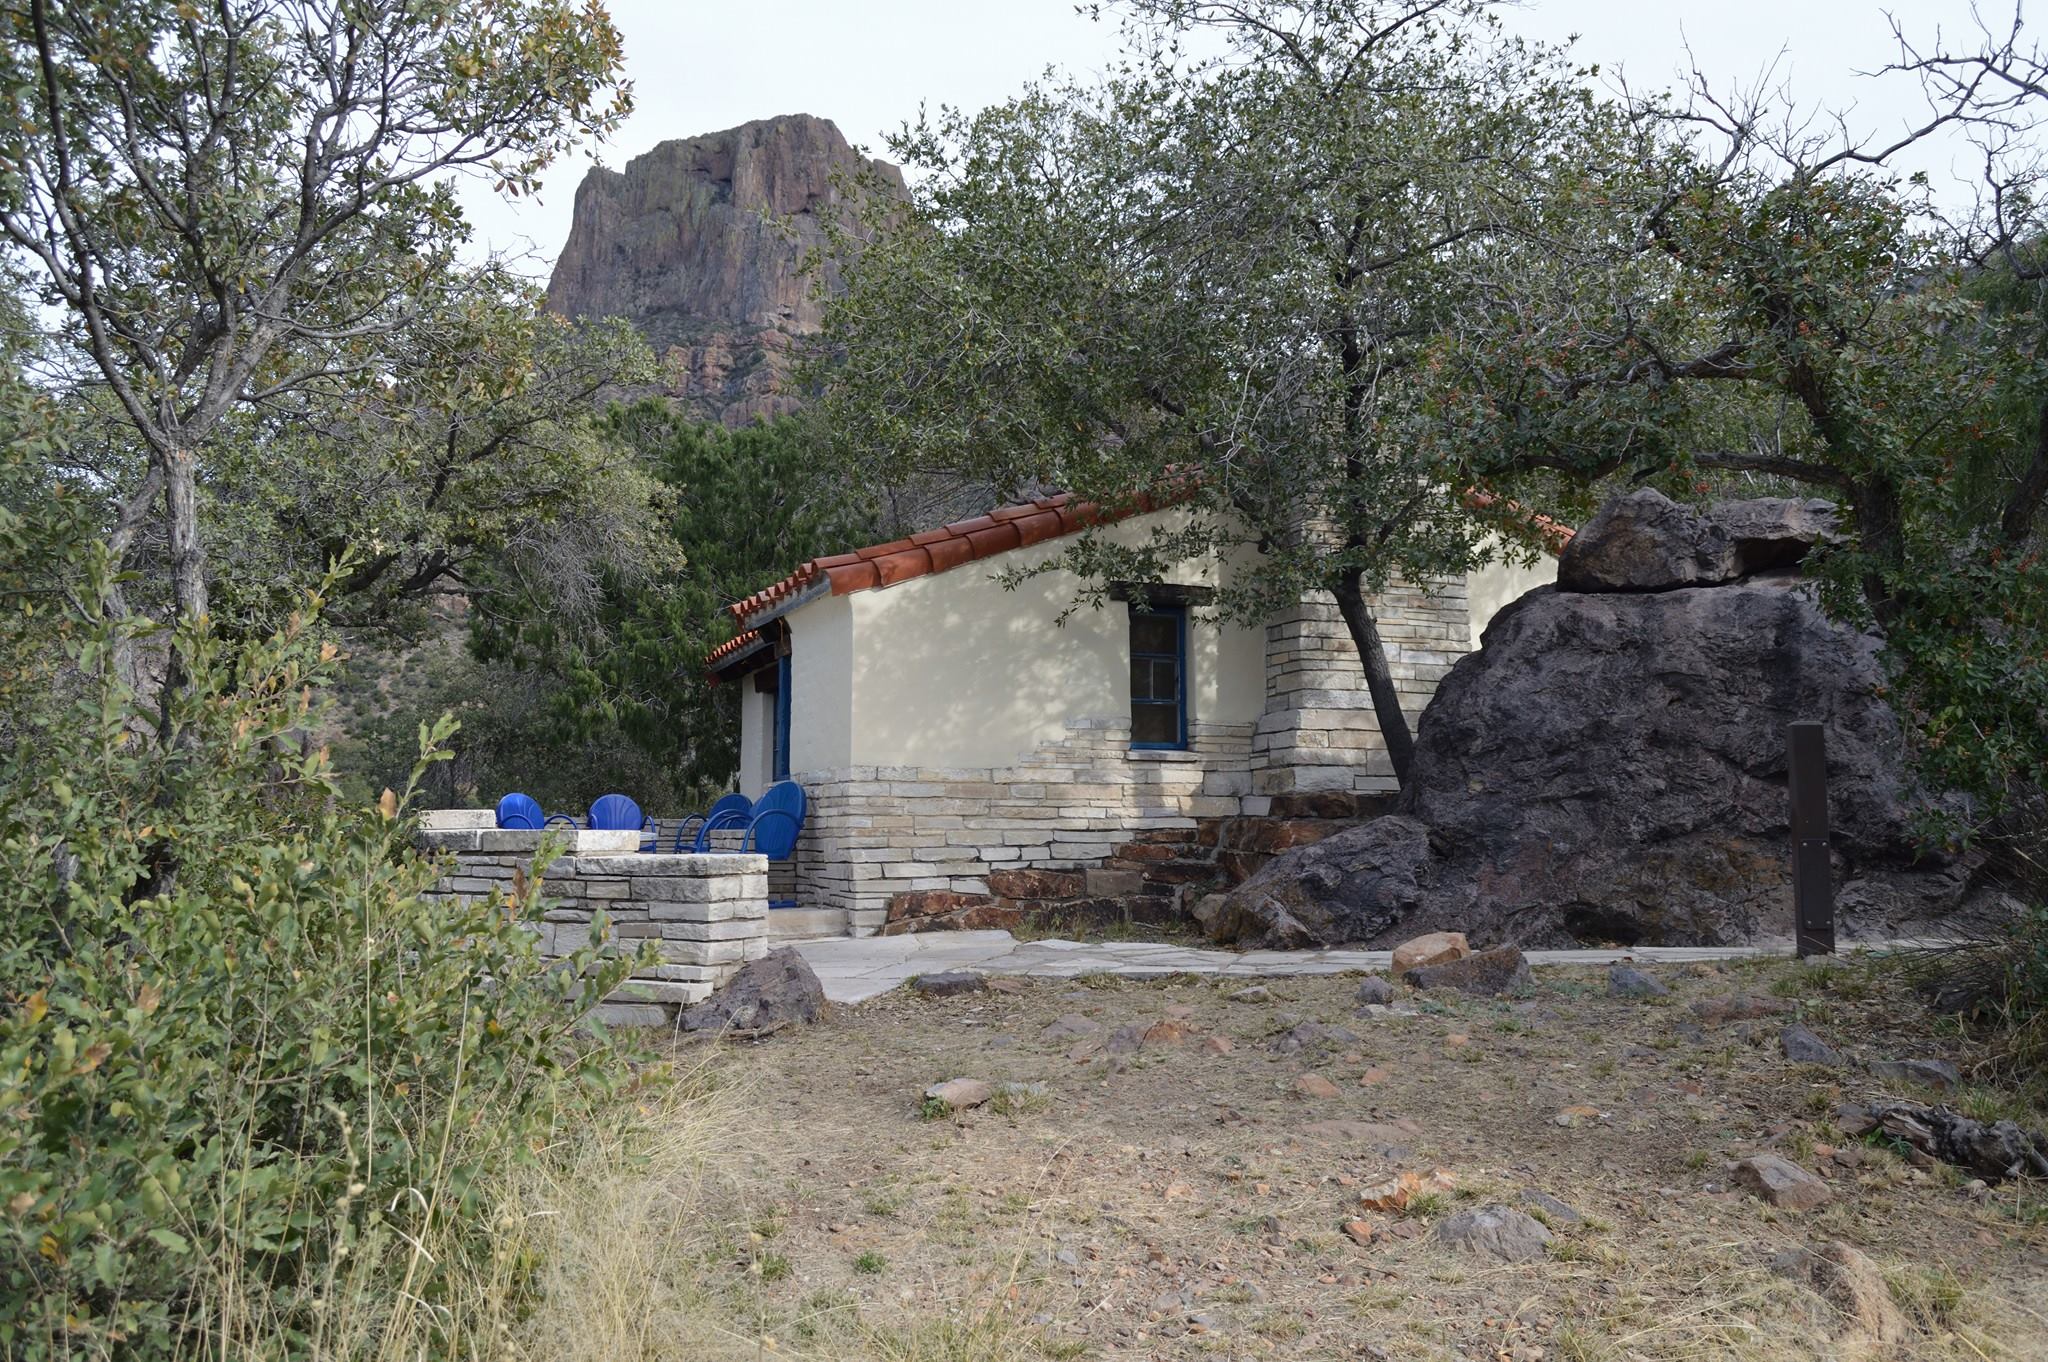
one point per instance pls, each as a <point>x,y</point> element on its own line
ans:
<point>775,838</point>
<point>727,812</point>
<point>516,810</point>
<point>615,813</point>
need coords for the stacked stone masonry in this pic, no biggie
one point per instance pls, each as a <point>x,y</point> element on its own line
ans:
<point>706,914</point>
<point>1156,879</point>
<point>1318,731</point>
<point>875,833</point>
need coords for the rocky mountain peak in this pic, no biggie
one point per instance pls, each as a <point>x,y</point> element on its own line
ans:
<point>701,242</point>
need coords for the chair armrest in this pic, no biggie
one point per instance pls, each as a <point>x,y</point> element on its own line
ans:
<point>731,818</point>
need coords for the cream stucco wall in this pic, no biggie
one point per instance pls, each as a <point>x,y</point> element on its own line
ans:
<point>757,738</point>
<point>1501,581</point>
<point>821,657</point>
<point>955,670</point>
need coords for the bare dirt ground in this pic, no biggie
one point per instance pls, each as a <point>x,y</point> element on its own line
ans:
<point>1189,1199</point>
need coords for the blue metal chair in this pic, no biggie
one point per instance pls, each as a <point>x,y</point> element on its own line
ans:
<point>778,819</point>
<point>730,811</point>
<point>616,813</point>
<point>772,830</point>
<point>520,811</point>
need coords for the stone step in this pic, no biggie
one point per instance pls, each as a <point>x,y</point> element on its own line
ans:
<point>805,924</point>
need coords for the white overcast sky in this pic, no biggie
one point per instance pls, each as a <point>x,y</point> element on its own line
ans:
<point>701,65</point>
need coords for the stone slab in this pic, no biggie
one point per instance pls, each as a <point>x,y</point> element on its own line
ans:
<point>856,969</point>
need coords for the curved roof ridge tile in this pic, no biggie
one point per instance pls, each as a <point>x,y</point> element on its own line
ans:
<point>932,551</point>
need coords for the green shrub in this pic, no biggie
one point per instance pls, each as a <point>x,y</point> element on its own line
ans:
<point>257,1094</point>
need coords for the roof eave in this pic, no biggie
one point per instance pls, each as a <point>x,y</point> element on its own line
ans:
<point>820,586</point>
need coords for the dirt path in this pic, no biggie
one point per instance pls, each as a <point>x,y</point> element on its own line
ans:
<point>1189,1198</point>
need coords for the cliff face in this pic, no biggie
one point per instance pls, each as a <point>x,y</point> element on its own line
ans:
<point>701,243</point>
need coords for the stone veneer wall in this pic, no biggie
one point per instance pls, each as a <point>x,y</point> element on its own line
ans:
<point>706,914</point>
<point>1318,731</point>
<point>875,832</point>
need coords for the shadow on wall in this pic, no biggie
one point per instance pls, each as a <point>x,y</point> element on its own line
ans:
<point>951,679</point>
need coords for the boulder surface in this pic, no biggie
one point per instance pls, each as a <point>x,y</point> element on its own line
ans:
<point>778,990</point>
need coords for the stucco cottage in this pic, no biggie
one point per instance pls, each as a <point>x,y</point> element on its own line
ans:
<point>972,760</point>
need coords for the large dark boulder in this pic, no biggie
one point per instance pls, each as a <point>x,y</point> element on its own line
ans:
<point>1610,766</point>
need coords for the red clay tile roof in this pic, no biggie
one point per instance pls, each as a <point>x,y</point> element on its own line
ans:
<point>1003,529</point>
<point>736,644</point>
<point>949,546</point>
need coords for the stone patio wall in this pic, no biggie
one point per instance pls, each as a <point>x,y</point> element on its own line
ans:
<point>706,914</point>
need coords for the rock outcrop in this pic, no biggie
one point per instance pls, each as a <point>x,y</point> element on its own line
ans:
<point>701,243</point>
<point>1645,541</point>
<point>1610,765</point>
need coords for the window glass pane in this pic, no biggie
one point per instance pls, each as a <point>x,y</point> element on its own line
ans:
<point>1155,723</point>
<point>1155,633</point>
<point>1154,679</point>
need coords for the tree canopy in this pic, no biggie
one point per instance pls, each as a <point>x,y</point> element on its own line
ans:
<point>1222,276</point>
<point>236,205</point>
<point>1360,258</point>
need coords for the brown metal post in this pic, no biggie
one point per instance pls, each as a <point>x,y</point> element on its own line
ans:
<point>1813,885</point>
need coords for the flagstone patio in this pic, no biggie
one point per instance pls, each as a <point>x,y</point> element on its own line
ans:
<point>854,969</point>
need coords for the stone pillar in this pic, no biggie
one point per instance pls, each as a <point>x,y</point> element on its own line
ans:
<point>707,914</point>
<point>1318,732</point>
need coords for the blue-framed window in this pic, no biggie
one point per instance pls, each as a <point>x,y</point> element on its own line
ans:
<point>1159,677</point>
<point>780,762</point>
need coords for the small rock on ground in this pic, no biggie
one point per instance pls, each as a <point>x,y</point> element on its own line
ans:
<point>1072,1026</point>
<point>1500,970</point>
<point>1494,1231</point>
<point>1558,1211</point>
<point>1737,1007</point>
<point>1626,981</point>
<point>1801,1046</point>
<point>1938,1074</point>
<point>950,982</point>
<point>1375,991</point>
<point>1433,948</point>
<point>1257,993</point>
<point>1849,1281</point>
<point>1782,1182</point>
<point>958,1094</point>
<point>1316,1086</point>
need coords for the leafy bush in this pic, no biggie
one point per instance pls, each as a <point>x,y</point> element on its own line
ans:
<point>258,1096</point>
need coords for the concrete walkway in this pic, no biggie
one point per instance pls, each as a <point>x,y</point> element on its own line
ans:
<point>854,969</point>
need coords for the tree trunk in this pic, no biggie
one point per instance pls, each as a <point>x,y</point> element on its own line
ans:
<point>181,513</point>
<point>1379,680</point>
<point>1881,535</point>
